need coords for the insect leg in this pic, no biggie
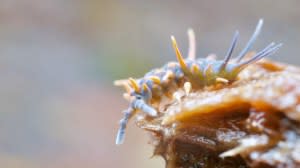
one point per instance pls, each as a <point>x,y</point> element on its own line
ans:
<point>141,105</point>
<point>123,123</point>
<point>251,41</point>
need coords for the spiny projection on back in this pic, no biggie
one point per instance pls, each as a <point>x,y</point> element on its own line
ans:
<point>187,73</point>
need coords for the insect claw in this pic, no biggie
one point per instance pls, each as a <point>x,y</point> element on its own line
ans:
<point>192,44</point>
<point>178,54</point>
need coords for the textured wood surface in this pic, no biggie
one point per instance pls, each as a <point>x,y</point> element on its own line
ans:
<point>253,122</point>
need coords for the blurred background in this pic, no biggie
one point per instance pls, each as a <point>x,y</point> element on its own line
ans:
<point>59,58</point>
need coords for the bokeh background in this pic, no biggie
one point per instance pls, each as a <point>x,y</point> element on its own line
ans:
<point>58,60</point>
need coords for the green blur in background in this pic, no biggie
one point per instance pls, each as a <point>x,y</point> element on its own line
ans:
<point>58,61</point>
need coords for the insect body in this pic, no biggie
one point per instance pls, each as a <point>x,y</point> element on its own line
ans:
<point>186,73</point>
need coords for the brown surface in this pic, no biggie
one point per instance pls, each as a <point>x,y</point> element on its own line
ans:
<point>253,122</point>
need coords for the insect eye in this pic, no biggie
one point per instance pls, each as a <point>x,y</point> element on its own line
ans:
<point>138,97</point>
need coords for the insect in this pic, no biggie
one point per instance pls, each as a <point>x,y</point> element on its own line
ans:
<point>189,73</point>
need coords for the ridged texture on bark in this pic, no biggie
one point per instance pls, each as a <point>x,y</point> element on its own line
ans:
<point>253,122</point>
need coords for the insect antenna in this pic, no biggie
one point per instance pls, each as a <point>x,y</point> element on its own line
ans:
<point>135,104</point>
<point>192,44</point>
<point>123,123</point>
<point>230,50</point>
<point>251,41</point>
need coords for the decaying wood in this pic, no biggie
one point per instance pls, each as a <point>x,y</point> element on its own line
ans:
<point>253,122</point>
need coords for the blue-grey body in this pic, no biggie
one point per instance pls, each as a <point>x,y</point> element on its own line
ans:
<point>197,72</point>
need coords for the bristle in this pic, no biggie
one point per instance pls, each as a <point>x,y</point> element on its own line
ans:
<point>195,69</point>
<point>155,79</point>
<point>230,50</point>
<point>178,54</point>
<point>251,41</point>
<point>269,50</point>
<point>145,87</point>
<point>192,44</point>
<point>198,73</point>
<point>261,52</point>
<point>208,71</point>
<point>222,80</point>
<point>134,84</point>
<point>187,87</point>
